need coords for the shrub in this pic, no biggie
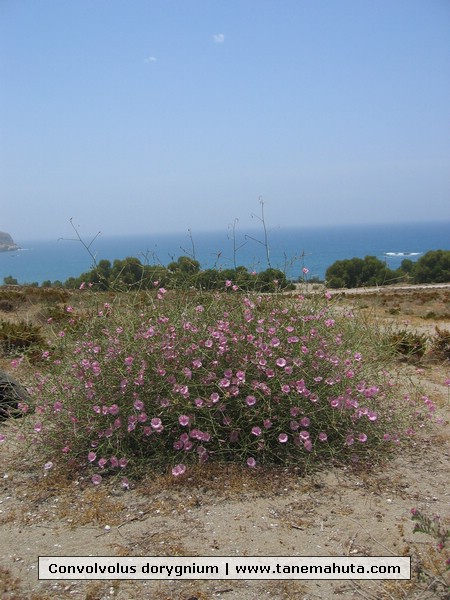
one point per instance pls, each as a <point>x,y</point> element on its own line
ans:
<point>434,568</point>
<point>408,344</point>
<point>432,267</point>
<point>190,378</point>
<point>440,345</point>
<point>355,272</point>
<point>20,337</point>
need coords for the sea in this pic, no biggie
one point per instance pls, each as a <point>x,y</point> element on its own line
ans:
<point>290,249</point>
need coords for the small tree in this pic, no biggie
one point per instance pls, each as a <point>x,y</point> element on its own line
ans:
<point>432,267</point>
<point>356,272</point>
<point>10,280</point>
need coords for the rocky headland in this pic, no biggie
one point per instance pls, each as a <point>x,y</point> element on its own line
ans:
<point>7,243</point>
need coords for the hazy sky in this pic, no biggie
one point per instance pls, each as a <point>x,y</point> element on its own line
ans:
<point>147,116</point>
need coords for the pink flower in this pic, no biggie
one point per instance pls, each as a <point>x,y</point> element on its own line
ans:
<point>362,437</point>
<point>123,463</point>
<point>251,462</point>
<point>129,361</point>
<point>256,431</point>
<point>184,420</point>
<point>38,427</point>
<point>96,479</point>
<point>156,423</point>
<point>305,270</point>
<point>250,400</point>
<point>178,470</point>
<point>92,456</point>
<point>48,465</point>
<point>323,436</point>
<point>281,362</point>
<point>283,438</point>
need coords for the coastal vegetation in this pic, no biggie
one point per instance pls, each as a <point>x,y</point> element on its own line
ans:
<point>432,267</point>
<point>186,273</point>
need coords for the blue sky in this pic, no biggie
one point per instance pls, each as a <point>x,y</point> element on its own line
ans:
<point>163,115</point>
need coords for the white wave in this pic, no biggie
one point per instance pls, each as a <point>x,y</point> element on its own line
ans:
<point>402,253</point>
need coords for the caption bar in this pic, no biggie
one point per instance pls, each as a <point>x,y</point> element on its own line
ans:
<point>224,567</point>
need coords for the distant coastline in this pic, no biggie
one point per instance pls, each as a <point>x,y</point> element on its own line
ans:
<point>7,244</point>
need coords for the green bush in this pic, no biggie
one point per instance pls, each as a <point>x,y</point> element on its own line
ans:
<point>356,272</point>
<point>432,267</point>
<point>184,273</point>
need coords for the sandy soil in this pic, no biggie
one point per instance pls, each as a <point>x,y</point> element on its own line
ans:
<point>339,511</point>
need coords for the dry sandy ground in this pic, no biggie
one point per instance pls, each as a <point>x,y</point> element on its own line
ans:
<point>337,512</point>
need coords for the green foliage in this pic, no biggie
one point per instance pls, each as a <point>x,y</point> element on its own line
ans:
<point>10,280</point>
<point>185,264</point>
<point>432,267</point>
<point>356,272</point>
<point>407,265</point>
<point>184,273</point>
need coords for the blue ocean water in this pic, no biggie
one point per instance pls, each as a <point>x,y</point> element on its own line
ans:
<point>289,249</point>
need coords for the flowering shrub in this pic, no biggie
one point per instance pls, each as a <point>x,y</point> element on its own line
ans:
<point>167,381</point>
<point>435,568</point>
